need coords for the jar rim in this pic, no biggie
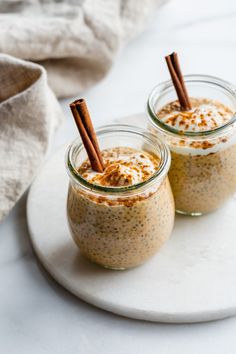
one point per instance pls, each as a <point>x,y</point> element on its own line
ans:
<point>159,89</point>
<point>119,128</point>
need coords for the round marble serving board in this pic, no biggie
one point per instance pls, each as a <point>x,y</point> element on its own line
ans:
<point>191,279</point>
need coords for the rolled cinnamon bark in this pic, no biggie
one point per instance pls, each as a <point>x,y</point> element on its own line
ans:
<point>82,108</point>
<point>85,136</point>
<point>178,80</point>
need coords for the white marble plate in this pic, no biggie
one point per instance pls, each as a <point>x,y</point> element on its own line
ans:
<point>192,278</point>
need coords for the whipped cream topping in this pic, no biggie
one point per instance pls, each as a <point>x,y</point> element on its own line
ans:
<point>123,167</point>
<point>205,115</point>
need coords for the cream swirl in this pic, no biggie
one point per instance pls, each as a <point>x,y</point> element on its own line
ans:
<point>123,167</point>
<point>205,115</point>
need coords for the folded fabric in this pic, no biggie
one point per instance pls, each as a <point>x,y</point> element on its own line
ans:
<point>29,114</point>
<point>76,41</point>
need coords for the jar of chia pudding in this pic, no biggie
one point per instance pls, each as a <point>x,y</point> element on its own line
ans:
<point>202,141</point>
<point>122,216</point>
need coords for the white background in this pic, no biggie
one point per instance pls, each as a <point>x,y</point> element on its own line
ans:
<point>36,314</point>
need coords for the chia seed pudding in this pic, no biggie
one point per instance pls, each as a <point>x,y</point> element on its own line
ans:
<point>203,152</point>
<point>126,213</point>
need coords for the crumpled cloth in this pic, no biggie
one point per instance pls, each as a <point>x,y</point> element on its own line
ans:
<point>29,115</point>
<point>75,40</point>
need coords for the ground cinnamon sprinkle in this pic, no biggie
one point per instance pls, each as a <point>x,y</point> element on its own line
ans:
<point>122,167</point>
<point>224,140</point>
<point>201,145</point>
<point>206,114</point>
<point>127,202</point>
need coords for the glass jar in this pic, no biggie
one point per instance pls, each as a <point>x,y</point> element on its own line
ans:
<point>203,167</point>
<point>120,227</point>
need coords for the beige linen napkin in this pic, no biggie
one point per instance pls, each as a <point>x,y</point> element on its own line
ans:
<point>75,40</point>
<point>29,114</point>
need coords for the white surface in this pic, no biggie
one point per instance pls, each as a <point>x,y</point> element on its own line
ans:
<point>200,255</point>
<point>37,315</point>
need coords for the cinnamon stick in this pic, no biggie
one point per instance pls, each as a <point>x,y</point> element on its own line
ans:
<point>178,81</point>
<point>175,61</point>
<point>82,108</point>
<point>87,133</point>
